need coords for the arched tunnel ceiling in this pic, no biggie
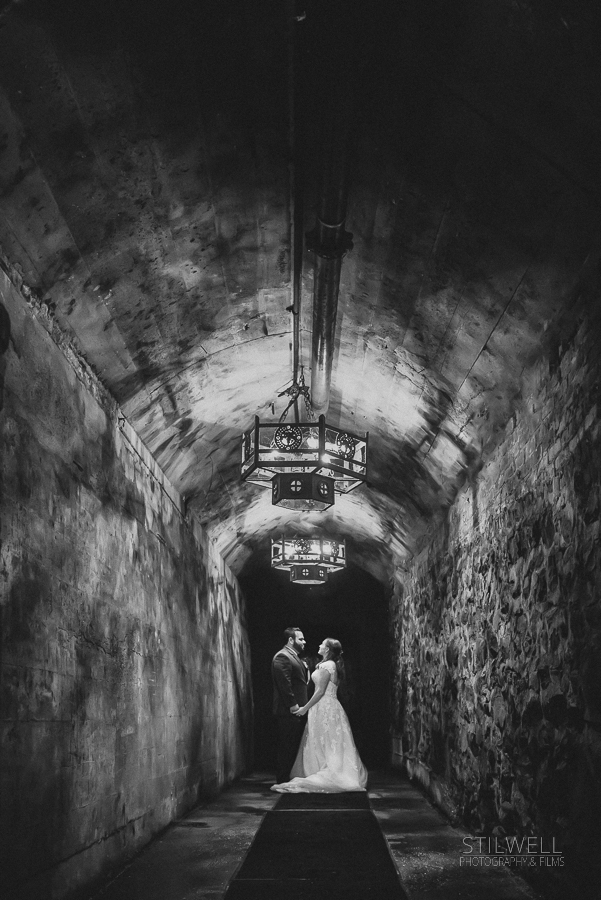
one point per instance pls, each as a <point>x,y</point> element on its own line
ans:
<point>146,199</point>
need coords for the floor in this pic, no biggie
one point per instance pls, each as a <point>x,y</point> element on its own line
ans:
<point>199,855</point>
<point>318,845</point>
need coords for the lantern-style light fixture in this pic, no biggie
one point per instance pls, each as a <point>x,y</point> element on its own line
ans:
<point>309,574</point>
<point>305,462</point>
<point>308,559</point>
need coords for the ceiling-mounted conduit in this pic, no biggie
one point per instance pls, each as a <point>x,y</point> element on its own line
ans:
<point>329,240</point>
<point>296,190</point>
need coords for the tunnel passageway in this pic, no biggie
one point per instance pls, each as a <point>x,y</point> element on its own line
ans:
<point>213,214</point>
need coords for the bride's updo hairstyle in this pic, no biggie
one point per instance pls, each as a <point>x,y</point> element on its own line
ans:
<point>335,654</point>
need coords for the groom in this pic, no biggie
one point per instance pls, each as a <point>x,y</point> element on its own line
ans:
<point>290,676</point>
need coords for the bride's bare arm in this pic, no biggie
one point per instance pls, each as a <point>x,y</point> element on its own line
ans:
<point>323,678</point>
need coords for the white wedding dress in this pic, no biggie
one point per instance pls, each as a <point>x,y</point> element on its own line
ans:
<point>327,760</point>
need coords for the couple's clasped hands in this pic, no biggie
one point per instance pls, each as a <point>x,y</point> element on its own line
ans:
<point>300,711</point>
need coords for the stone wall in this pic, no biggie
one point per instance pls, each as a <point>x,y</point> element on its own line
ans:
<point>498,627</point>
<point>125,661</point>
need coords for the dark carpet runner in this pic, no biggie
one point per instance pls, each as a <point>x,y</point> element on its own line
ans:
<point>318,845</point>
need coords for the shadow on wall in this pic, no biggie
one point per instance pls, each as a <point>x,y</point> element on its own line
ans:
<point>125,676</point>
<point>351,607</point>
<point>4,342</point>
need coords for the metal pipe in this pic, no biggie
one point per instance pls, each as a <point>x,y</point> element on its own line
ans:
<point>330,242</point>
<point>296,192</point>
<point>325,303</point>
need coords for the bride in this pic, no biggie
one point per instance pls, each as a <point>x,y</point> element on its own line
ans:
<point>327,760</point>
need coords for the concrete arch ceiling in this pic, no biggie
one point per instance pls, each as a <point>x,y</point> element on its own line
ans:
<point>145,184</point>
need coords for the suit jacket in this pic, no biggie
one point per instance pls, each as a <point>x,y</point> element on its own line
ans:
<point>290,676</point>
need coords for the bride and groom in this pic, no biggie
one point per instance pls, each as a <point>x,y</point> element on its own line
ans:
<point>320,756</point>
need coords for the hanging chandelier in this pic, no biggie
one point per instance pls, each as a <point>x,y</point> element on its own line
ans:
<point>291,551</point>
<point>309,560</point>
<point>305,463</point>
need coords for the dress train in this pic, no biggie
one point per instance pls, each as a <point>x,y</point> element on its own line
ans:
<point>327,760</point>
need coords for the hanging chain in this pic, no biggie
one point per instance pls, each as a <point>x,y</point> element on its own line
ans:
<point>298,389</point>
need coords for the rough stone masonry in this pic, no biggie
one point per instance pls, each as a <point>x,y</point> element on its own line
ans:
<point>498,626</point>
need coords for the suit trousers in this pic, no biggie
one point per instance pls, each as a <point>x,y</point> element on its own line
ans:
<point>290,732</point>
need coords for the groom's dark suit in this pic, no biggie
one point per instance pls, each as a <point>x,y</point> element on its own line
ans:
<point>290,678</point>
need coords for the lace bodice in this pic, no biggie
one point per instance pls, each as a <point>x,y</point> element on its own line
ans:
<point>332,688</point>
